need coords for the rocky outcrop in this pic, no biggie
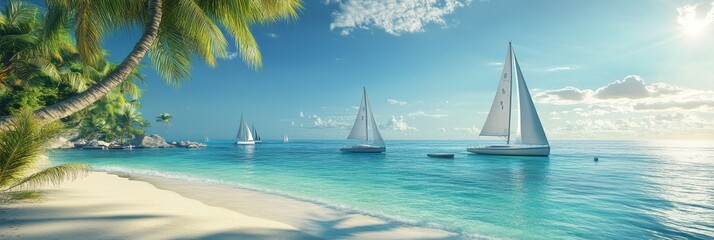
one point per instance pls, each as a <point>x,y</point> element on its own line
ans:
<point>61,142</point>
<point>189,144</point>
<point>150,141</point>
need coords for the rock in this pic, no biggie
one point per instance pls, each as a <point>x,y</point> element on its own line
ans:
<point>150,141</point>
<point>80,143</point>
<point>98,143</point>
<point>61,142</point>
<point>189,144</point>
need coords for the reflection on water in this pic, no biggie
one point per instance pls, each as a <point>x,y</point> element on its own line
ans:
<point>246,151</point>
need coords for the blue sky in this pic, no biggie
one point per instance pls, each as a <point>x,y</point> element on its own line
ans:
<point>597,70</point>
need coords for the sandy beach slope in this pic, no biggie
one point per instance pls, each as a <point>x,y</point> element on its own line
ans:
<point>106,206</point>
<point>312,218</point>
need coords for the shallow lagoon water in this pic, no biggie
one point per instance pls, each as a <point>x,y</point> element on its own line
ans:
<point>659,189</point>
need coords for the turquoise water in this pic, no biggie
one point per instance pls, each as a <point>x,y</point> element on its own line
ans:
<point>637,189</point>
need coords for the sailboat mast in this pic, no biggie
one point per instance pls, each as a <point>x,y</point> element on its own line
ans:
<point>366,118</point>
<point>510,96</point>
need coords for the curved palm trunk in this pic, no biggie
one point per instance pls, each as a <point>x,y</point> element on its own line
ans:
<point>111,81</point>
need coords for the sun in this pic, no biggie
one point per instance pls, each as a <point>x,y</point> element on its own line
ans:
<point>693,28</point>
<point>692,25</point>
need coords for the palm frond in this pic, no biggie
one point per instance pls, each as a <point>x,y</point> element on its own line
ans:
<point>201,32</point>
<point>21,145</point>
<point>53,175</point>
<point>20,14</point>
<point>89,33</point>
<point>46,67</point>
<point>171,57</point>
<point>3,19</point>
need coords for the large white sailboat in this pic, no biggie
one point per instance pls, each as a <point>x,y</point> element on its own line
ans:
<point>530,139</point>
<point>244,136</point>
<point>361,130</point>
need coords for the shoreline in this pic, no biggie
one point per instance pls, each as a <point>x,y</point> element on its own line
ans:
<point>311,217</point>
<point>236,212</point>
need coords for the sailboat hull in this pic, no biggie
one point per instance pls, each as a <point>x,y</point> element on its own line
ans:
<point>511,150</point>
<point>364,149</point>
<point>245,142</point>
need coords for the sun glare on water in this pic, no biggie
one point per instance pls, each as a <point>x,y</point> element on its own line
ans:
<point>690,24</point>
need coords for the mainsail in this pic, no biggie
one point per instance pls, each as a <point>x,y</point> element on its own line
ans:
<point>243,131</point>
<point>364,121</point>
<point>530,130</point>
<point>375,129</point>
<point>498,121</point>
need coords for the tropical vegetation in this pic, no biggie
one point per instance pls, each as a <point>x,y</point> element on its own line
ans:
<point>165,119</point>
<point>37,71</point>
<point>20,151</point>
<point>174,31</point>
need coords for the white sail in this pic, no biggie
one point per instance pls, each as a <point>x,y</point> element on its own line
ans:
<point>244,133</point>
<point>498,120</point>
<point>365,121</point>
<point>285,138</point>
<point>359,129</point>
<point>375,129</point>
<point>530,130</point>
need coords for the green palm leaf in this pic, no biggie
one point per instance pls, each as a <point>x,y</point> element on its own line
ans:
<point>53,175</point>
<point>22,145</point>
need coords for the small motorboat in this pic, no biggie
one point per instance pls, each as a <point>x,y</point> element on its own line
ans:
<point>440,155</point>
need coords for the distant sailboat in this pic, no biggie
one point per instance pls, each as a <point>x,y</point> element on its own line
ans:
<point>285,139</point>
<point>244,136</point>
<point>206,139</point>
<point>361,130</point>
<point>530,136</point>
<point>256,137</point>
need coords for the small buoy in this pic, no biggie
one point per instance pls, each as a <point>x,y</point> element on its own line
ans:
<point>596,159</point>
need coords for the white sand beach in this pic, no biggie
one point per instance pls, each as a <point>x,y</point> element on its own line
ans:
<point>107,206</point>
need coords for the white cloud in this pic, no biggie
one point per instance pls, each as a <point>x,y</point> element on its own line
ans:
<point>318,122</point>
<point>424,114</point>
<point>494,64</point>
<point>273,35</point>
<point>393,16</point>
<point>443,130</point>
<point>292,123</point>
<point>560,68</point>
<point>676,104</point>
<point>665,125</point>
<point>396,102</point>
<point>469,130</point>
<point>398,124</point>
<point>232,55</point>
<point>688,18</point>
<point>630,90</point>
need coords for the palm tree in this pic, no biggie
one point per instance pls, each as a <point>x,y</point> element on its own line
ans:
<point>164,118</point>
<point>20,148</point>
<point>26,57</point>
<point>128,121</point>
<point>172,34</point>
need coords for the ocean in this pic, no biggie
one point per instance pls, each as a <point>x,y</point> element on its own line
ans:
<point>637,189</point>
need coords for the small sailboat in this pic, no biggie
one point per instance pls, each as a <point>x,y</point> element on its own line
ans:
<point>361,130</point>
<point>206,139</point>
<point>244,136</point>
<point>530,137</point>
<point>285,139</point>
<point>256,137</point>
